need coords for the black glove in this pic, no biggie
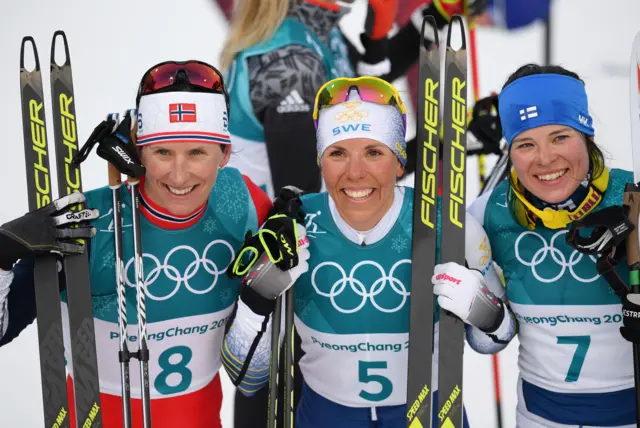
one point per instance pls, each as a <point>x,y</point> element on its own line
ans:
<point>608,228</point>
<point>288,203</point>
<point>277,239</point>
<point>114,145</point>
<point>270,262</point>
<point>631,318</point>
<point>486,127</point>
<point>375,60</point>
<point>50,229</point>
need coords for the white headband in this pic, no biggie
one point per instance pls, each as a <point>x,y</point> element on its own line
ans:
<point>359,119</point>
<point>170,117</point>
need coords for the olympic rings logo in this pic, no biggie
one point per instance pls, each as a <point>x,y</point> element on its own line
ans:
<point>352,113</point>
<point>360,289</point>
<point>174,274</point>
<point>556,255</point>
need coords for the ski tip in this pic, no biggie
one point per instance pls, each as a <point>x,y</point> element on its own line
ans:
<point>434,26</point>
<point>460,21</point>
<point>67,58</point>
<point>25,40</point>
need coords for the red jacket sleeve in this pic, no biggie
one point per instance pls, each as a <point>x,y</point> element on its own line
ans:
<point>260,200</point>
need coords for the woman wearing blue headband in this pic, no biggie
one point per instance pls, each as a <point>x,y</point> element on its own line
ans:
<point>575,368</point>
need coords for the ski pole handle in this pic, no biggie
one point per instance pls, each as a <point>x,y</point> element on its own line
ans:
<point>632,200</point>
<point>134,139</point>
<point>115,180</point>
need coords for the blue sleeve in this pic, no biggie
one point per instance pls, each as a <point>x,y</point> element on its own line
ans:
<point>513,14</point>
<point>21,301</point>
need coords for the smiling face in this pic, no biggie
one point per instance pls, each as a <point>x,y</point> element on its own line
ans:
<point>550,161</point>
<point>180,176</point>
<point>360,175</point>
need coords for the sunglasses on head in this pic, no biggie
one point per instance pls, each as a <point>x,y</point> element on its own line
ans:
<point>370,89</point>
<point>194,75</point>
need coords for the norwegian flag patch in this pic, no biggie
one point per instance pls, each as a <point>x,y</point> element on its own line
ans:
<point>182,112</point>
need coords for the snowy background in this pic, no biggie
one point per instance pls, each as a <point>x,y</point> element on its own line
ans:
<point>113,43</point>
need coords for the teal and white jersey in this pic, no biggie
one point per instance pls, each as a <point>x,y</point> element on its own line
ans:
<point>352,308</point>
<point>189,297</point>
<point>568,316</point>
<point>247,132</point>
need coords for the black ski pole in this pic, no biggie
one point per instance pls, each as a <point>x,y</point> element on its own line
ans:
<point>124,356</point>
<point>274,364</point>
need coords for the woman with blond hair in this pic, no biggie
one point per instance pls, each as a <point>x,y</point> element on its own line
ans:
<point>277,55</point>
<point>352,303</point>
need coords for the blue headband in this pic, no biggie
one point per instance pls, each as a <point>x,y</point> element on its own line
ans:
<point>543,99</point>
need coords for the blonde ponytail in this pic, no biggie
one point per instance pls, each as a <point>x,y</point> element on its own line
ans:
<point>252,22</point>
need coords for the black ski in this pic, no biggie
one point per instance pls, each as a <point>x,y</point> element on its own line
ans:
<point>47,290</point>
<point>419,387</point>
<point>76,268</point>
<point>451,335</point>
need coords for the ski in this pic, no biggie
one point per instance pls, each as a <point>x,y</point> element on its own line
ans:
<point>421,320</point>
<point>47,289</point>
<point>76,268</point>
<point>451,329</point>
<point>632,198</point>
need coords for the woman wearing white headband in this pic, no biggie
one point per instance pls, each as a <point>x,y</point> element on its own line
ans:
<point>195,214</point>
<point>352,306</point>
<point>575,368</point>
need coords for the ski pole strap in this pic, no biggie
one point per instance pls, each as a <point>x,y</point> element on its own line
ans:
<point>606,266</point>
<point>101,131</point>
<point>246,257</point>
<point>609,227</point>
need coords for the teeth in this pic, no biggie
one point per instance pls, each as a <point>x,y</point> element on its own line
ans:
<point>358,194</point>
<point>553,176</point>
<point>180,191</point>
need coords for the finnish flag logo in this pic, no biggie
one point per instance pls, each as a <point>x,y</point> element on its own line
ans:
<point>529,113</point>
